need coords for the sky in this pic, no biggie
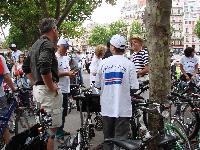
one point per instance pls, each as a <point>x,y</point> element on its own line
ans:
<point>106,13</point>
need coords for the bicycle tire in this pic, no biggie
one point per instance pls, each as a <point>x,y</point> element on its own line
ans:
<point>2,143</point>
<point>182,135</point>
<point>193,128</point>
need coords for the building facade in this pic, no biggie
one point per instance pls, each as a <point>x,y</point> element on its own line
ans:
<point>176,26</point>
<point>128,12</point>
<point>191,16</point>
<point>184,15</point>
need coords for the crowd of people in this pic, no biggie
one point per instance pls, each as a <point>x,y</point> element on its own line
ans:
<point>48,68</point>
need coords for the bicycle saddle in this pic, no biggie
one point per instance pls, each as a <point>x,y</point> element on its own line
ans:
<point>167,139</point>
<point>137,101</point>
<point>126,144</point>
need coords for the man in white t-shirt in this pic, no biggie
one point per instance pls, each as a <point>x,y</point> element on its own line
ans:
<point>189,64</point>
<point>116,77</point>
<point>64,74</point>
<point>15,53</point>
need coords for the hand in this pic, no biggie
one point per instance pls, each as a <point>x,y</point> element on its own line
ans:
<point>139,73</point>
<point>72,73</point>
<point>193,77</point>
<point>187,77</point>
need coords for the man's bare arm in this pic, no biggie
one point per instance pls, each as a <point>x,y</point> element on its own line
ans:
<point>49,82</point>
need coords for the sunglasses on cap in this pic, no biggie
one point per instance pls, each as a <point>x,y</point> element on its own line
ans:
<point>65,45</point>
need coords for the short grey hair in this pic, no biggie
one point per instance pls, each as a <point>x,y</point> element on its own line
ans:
<point>47,24</point>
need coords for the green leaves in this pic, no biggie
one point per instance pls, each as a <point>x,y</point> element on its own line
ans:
<point>197,29</point>
<point>102,34</point>
<point>71,29</point>
<point>99,35</point>
<point>24,16</point>
<point>137,29</point>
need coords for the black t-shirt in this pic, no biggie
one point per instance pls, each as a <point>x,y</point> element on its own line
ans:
<point>42,60</point>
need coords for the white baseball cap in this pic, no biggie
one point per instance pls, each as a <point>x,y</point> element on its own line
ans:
<point>63,42</point>
<point>118,41</point>
<point>13,45</point>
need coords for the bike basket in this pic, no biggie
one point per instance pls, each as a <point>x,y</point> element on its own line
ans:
<point>18,142</point>
<point>90,102</point>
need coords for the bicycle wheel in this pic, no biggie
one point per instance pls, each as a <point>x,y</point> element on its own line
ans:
<point>178,130</point>
<point>190,120</point>
<point>2,144</point>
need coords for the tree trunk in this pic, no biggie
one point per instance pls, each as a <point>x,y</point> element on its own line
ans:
<point>157,21</point>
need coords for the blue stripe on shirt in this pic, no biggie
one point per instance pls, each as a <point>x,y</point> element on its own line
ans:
<point>113,78</point>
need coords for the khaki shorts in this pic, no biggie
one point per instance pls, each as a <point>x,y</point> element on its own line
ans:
<point>51,103</point>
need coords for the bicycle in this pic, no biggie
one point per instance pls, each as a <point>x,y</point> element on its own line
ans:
<point>4,119</point>
<point>34,138</point>
<point>172,137</point>
<point>87,103</point>
<point>190,119</point>
<point>24,109</point>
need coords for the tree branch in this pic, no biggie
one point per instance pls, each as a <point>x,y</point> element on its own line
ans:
<point>67,9</point>
<point>57,14</point>
<point>43,5</point>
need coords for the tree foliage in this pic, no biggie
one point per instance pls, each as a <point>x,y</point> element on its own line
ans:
<point>101,34</point>
<point>197,29</point>
<point>24,16</point>
<point>118,27</point>
<point>137,29</point>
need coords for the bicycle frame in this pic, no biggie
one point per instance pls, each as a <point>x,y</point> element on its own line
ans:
<point>169,129</point>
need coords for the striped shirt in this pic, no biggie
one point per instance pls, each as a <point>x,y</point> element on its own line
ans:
<point>140,59</point>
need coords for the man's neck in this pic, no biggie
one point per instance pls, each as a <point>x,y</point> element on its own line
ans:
<point>137,50</point>
<point>61,54</point>
<point>118,54</point>
<point>49,37</point>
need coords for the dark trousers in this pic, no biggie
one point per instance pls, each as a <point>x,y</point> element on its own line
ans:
<point>65,108</point>
<point>115,127</point>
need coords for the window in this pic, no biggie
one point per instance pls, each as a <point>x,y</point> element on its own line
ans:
<point>185,22</point>
<point>191,8</point>
<point>193,46</point>
<point>186,40</point>
<point>193,40</point>
<point>186,30</point>
<point>179,11</point>
<point>189,22</point>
